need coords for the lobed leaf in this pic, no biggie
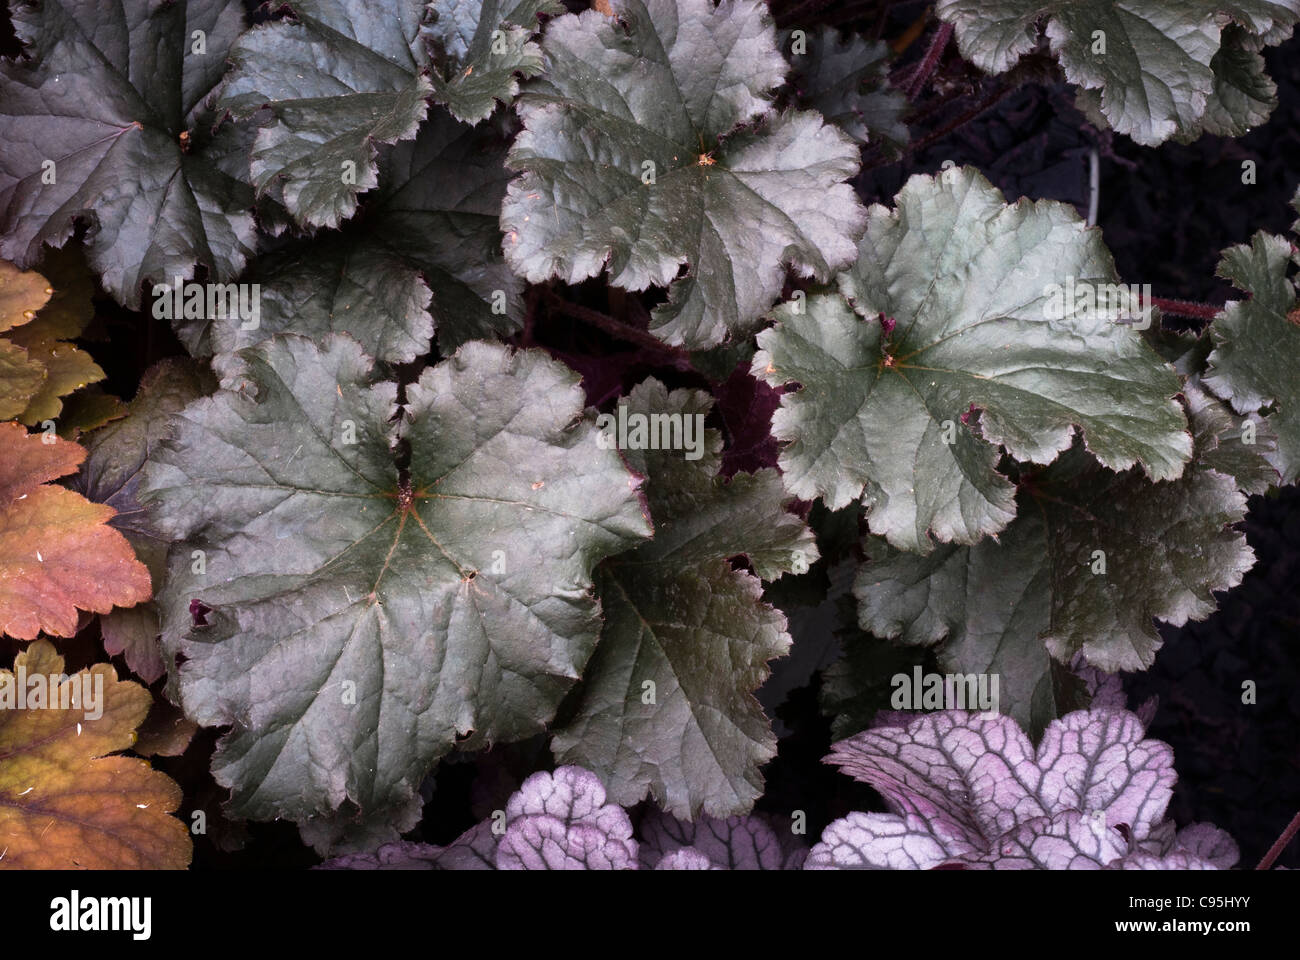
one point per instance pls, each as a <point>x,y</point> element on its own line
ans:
<point>339,78</point>
<point>113,97</point>
<point>680,618</point>
<point>956,288</point>
<point>65,803</point>
<point>1091,560</point>
<point>112,474</point>
<point>57,552</point>
<point>736,843</point>
<point>846,79</point>
<point>38,367</point>
<point>475,849</point>
<point>560,821</point>
<point>971,790</point>
<point>425,255</point>
<point>1257,344</point>
<point>554,821</point>
<point>362,617</point>
<point>1153,70</point>
<point>632,159</point>
<point>480,47</point>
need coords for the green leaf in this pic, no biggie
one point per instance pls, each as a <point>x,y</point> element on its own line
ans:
<point>107,94</point>
<point>340,78</point>
<point>480,47</point>
<point>1244,448</point>
<point>846,79</point>
<point>364,613</point>
<point>1244,96</point>
<point>87,409</point>
<point>680,618</point>
<point>1257,344</point>
<point>425,253</point>
<point>630,161</point>
<point>111,474</point>
<point>1091,560</point>
<point>966,281</point>
<point>858,685</point>
<point>1153,69</point>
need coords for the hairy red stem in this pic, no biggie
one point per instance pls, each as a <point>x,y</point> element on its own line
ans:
<point>933,55</point>
<point>1186,308</point>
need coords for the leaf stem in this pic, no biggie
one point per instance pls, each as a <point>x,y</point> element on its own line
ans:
<point>1279,845</point>
<point>933,54</point>
<point>1186,308</point>
<point>622,331</point>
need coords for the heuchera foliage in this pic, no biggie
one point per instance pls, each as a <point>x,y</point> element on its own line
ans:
<point>415,510</point>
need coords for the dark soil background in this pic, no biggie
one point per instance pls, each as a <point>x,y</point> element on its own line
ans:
<point>1166,213</point>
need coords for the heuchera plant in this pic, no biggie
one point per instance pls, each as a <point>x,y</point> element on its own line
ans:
<point>514,383</point>
<point>973,791</point>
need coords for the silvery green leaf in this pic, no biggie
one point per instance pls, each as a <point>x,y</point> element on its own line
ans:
<point>682,620</point>
<point>1257,344</point>
<point>1091,561</point>
<point>424,256</point>
<point>111,474</point>
<point>339,77</point>
<point>480,49</point>
<point>846,79</point>
<point>112,97</point>
<point>1244,96</point>
<point>355,614</point>
<point>953,293</point>
<point>650,146</point>
<point>1154,70</point>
